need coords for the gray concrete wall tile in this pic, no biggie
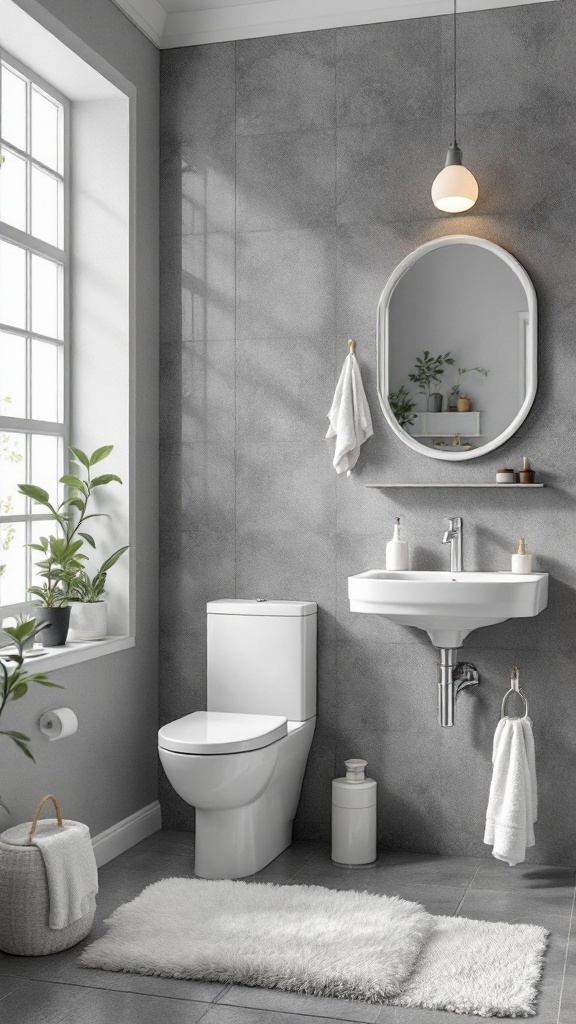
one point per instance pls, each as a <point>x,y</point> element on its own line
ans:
<point>286,180</point>
<point>198,183</point>
<point>295,271</point>
<point>285,83</point>
<point>389,72</point>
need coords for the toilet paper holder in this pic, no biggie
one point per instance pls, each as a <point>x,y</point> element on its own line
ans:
<point>58,723</point>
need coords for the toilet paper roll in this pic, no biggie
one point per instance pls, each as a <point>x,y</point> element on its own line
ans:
<point>58,722</point>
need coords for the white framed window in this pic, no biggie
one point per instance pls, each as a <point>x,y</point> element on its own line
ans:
<point>34,313</point>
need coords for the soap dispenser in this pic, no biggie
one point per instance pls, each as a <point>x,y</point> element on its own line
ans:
<point>397,551</point>
<point>521,561</point>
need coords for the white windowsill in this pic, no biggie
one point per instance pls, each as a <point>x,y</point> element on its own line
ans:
<point>74,653</point>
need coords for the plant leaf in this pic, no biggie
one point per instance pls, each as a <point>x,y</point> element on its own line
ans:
<point>38,494</point>
<point>89,538</point>
<point>81,456</point>
<point>44,682</point>
<point>20,690</point>
<point>106,478</point>
<point>112,560</point>
<point>25,750</point>
<point>15,735</point>
<point>72,481</point>
<point>101,453</point>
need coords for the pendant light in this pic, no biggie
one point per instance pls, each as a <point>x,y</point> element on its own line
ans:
<point>455,189</point>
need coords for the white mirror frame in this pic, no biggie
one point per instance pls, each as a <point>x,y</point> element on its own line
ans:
<point>531,347</point>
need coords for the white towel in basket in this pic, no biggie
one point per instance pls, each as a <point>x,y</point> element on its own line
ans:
<point>70,867</point>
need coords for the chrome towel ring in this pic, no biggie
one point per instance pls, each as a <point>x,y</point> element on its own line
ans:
<point>514,688</point>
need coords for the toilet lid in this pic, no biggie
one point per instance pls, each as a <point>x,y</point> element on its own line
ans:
<point>221,732</point>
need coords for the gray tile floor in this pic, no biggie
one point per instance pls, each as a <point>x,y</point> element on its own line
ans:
<point>53,989</point>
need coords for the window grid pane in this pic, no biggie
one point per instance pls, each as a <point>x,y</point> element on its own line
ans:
<point>32,302</point>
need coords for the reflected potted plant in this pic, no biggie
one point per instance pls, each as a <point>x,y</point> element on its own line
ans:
<point>64,560</point>
<point>403,407</point>
<point>458,401</point>
<point>15,681</point>
<point>428,372</point>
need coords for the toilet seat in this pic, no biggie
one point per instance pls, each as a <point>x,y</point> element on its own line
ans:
<point>221,732</point>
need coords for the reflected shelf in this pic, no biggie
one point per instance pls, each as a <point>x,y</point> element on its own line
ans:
<point>501,487</point>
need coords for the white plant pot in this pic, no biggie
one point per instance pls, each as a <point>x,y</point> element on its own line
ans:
<point>88,621</point>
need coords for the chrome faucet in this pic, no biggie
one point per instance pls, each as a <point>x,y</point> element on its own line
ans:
<point>453,537</point>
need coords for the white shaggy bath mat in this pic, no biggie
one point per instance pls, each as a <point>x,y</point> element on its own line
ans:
<point>299,938</point>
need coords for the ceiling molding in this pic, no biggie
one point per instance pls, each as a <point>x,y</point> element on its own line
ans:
<point>148,15</point>
<point>194,25</point>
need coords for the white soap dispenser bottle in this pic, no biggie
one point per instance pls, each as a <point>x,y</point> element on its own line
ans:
<point>397,551</point>
<point>521,561</point>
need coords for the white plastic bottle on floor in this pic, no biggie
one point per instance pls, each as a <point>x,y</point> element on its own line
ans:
<point>354,816</point>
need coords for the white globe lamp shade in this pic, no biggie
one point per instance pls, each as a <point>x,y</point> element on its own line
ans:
<point>455,189</point>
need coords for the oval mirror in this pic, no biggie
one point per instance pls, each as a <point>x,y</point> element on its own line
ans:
<point>457,348</point>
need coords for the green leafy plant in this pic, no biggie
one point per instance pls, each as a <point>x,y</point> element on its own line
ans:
<point>15,680</point>
<point>402,406</point>
<point>60,559</point>
<point>429,370</point>
<point>456,390</point>
<point>81,587</point>
<point>64,558</point>
<point>22,620</point>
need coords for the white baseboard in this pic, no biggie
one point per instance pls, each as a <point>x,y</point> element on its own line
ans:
<point>120,837</point>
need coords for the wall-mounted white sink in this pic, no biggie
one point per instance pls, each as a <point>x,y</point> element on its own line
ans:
<point>448,605</point>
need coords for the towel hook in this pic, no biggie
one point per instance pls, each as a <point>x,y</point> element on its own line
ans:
<point>351,345</point>
<point>514,688</point>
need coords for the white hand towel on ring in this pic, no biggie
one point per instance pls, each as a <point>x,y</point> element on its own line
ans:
<point>350,420</point>
<point>513,800</point>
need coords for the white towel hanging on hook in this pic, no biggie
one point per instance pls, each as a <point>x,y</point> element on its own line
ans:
<point>350,419</point>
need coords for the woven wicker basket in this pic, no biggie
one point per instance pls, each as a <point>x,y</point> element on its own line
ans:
<point>25,901</point>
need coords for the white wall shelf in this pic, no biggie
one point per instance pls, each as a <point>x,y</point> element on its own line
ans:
<point>445,424</point>
<point>501,487</point>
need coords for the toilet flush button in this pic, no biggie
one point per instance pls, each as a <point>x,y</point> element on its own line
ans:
<point>261,600</point>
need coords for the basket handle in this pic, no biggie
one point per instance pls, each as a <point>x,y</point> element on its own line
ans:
<point>37,815</point>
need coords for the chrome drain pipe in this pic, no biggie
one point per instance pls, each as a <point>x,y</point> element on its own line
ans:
<point>454,676</point>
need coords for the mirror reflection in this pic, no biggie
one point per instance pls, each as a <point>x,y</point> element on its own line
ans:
<point>457,335</point>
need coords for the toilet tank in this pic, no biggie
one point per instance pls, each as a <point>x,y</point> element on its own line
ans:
<point>262,658</point>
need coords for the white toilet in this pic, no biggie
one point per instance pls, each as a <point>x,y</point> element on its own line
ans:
<point>241,762</point>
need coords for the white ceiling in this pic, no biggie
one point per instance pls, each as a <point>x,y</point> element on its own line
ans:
<point>191,22</point>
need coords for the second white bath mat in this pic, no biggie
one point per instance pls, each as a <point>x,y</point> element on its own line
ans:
<point>300,938</point>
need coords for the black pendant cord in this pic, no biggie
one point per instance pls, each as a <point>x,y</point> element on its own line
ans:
<point>454,73</point>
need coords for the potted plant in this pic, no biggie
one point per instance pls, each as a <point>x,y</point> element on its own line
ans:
<point>428,372</point>
<point>89,612</point>
<point>60,556</point>
<point>15,681</point>
<point>402,406</point>
<point>64,559</point>
<point>458,401</point>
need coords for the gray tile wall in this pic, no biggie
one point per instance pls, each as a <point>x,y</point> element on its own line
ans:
<point>296,174</point>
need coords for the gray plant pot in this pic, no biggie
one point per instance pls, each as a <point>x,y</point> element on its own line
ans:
<point>55,633</point>
<point>435,403</point>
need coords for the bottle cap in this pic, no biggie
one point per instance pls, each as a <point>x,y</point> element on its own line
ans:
<point>356,769</point>
<point>521,546</point>
<point>526,463</point>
